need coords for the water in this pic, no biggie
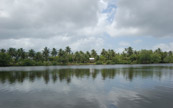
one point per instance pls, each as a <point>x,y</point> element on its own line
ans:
<point>98,86</point>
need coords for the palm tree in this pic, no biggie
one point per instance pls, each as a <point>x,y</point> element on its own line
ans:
<point>111,54</point>
<point>5,59</point>
<point>54,52</point>
<point>38,56</point>
<point>46,53</point>
<point>77,57</point>
<point>21,53</point>
<point>12,52</point>
<point>103,53</point>
<point>170,53</point>
<point>88,54</point>
<point>93,53</point>
<point>62,56</point>
<point>60,52</point>
<point>3,50</point>
<point>68,49</point>
<point>159,51</point>
<point>129,51</point>
<point>31,53</point>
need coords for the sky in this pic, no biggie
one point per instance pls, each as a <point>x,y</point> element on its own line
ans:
<point>86,24</point>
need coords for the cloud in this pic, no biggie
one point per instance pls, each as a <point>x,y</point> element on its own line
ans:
<point>42,18</point>
<point>164,47</point>
<point>81,24</point>
<point>54,23</point>
<point>123,43</point>
<point>88,44</point>
<point>82,43</point>
<point>119,50</point>
<point>137,41</point>
<point>142,18</point>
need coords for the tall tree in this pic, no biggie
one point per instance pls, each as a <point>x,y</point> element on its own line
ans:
<point>54,52</point>
<point>12,52</point>
<point>77,57</point>
<point>145,56</point>
<point>3,50</point>
<point>111,54</point>
<point>4,59</point>
<point>129,51</point>
<point>21,53</point>
<point>46,53</point>
<point>60,52</point>
<point>103,52</point>
<point>31,53</point>
<point>62,56</point>
<point>38,57</point>
<point>68,49</point>
<point>88,54</point>
<point>170,53</point>
<point>93,53</point>
<point>159,51</point>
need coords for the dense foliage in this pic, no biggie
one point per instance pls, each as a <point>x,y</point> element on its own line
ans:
<point>15,57</point>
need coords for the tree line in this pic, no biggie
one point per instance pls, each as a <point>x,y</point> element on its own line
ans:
<point>20,57</point>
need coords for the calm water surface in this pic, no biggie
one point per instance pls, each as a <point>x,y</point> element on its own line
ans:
<point>98,86</point>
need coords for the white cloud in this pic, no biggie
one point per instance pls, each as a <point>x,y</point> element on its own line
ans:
<point>119,50</point>
<point>42,18</point>
<point>87,44</point>
<point>141,18</point>
<point>115,31</point>
<point>137,41</point>
<point>81,24</point>
<point>164,47</point>
<point>54,23</point>
<point>123,43</point>
<point>55,42</point>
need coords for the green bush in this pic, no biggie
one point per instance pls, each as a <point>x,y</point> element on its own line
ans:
<point>99,62</point>
<point>54,63</point>
<point>27,62</point>
<point>5,59</point>
<point>109,62</point>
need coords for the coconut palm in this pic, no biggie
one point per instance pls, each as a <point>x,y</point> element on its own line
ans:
<point>31,53</point>
<point>68,49</point>
<point>54,52</point>
<point>12,52</point>
<point>46,53</point>
<point>21,53</point>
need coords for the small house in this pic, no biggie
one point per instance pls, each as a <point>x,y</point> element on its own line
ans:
<point>91,59</point>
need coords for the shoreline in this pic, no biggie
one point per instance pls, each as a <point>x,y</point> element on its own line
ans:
<point>86,64</point>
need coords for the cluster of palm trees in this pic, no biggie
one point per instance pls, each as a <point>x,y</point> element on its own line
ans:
<point>19,54</point>
<point>14,56</point>
<point>61,56</point>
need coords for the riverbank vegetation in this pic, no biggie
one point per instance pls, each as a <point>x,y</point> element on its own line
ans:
<point>20,57</point>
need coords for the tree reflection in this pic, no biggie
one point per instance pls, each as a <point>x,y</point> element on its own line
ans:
<point>66,75</point>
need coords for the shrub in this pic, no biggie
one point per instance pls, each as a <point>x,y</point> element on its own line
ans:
<point>5,59</point>
<point>27,62</point>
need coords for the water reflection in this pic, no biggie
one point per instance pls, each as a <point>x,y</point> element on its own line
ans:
<point>67,74</point>
<point>87,87</point>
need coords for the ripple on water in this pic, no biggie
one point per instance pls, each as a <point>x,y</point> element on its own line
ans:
<point>78,87</point>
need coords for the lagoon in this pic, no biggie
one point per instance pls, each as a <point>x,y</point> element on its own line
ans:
<point>87,86</point>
